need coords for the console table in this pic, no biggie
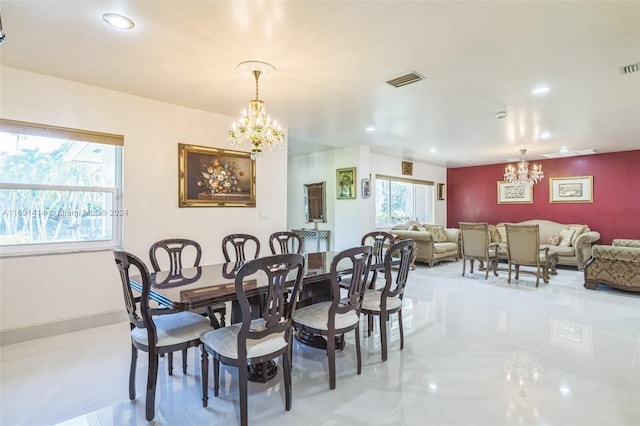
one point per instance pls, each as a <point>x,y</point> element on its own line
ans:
<point>317,234</point>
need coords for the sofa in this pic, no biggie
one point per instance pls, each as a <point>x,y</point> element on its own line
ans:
<point>617,265</point>
<point>571,242</point>
<point>433,243</point>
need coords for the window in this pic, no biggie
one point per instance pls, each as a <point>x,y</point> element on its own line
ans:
<point>398,200</point>
<point>60,189</point>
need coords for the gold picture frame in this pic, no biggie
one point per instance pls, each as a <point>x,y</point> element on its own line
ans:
<point>509,193</point>
<point>407,168</point>
<point>442,192</point>
<point>346,183</point>
<point>213,177</point>
<point>577,189</point>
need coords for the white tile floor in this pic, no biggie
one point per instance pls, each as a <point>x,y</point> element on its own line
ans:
<point>476,353</point>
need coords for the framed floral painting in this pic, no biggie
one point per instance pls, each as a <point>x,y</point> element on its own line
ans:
<point>212,177</point>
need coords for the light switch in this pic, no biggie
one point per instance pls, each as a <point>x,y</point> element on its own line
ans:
<point>264,214</point>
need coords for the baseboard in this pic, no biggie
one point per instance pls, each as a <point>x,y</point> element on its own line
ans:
<point>9,337</point>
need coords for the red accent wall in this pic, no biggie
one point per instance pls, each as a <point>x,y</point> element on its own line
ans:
<point>615,212</point>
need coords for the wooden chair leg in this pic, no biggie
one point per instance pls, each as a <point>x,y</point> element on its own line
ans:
<point>243,383</point>
<point>383,335</point>
<point>401,330</point>
<point>132,373</point>
<point>152,376</point>
<point>204,367</point>
<point>286,365</point>
<point>358,350</point>
<point>216,377</point>
<point>464,265</point>
<point>331,353</point>
<point>184,361</point>
<point>170,363</point>
<point>369,324</point>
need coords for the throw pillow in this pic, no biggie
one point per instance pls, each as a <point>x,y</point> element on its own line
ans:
<point>502,231</point>
<point>554,240</point>
<point>578,230</point>
<point>439,236</point>
<point>495,235</point>
<point>565,237</point>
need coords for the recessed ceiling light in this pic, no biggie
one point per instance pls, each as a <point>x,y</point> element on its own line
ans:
<point>545,135</point>
<point>564,148</point>
<point>370,129</point>
<point>120,22</point>
<point>433,150</point>
<point>540,90</point>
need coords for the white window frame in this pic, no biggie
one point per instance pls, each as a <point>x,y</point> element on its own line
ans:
<point>116,214</point>
<point>413,182</point>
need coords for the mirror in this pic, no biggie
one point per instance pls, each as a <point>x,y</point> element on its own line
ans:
<point>314,202</point>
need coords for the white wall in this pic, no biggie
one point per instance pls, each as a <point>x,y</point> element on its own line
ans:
<point>43,289</point>
<point>348,220</point>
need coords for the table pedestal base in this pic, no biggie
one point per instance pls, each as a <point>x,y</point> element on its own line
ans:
<point>318,342</point>
<point>263,372</point>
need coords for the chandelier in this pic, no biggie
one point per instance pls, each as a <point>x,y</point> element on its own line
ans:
<point>522,176</point>
<point>255,126</point>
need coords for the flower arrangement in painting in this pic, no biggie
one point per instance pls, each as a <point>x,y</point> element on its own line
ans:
<point>221,177</point>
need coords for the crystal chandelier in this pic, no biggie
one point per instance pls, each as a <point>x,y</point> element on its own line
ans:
<point>523,176</point>
<point>255,126</point>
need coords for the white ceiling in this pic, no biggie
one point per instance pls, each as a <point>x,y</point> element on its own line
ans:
<point>333,59</point>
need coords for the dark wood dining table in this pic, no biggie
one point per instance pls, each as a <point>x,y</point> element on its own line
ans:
<point>200,286</point>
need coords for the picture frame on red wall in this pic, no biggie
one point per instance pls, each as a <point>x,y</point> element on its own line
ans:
<point>509,193</point>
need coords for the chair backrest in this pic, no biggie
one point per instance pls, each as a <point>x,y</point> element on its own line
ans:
<point>175,249</point>
<point>280,270</point>
<point>142,319</point>
<point>475,239</point>
<point>358,260</point>
<point>242,247</point>
<point>380,241</point>
<point>285,242</point>
<point>523,244</point>
<point>401,250</point>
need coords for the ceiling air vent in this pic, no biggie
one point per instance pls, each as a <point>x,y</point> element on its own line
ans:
<point>403,80</point>
<point>628,69</point>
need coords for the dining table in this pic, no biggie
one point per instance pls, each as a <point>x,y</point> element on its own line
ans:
<point>197,287</point>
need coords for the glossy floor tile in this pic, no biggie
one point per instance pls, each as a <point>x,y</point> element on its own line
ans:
<point>476,353</point>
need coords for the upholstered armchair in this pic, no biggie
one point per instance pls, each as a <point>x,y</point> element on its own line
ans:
<point>617,265</point>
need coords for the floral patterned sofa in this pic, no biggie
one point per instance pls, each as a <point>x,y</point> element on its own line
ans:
<point>617,265</point>
<point>433,243</point>
<point>572,242</point>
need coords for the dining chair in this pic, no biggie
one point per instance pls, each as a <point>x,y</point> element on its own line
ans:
<point>388,300</point>
<point>342,313</point>
<point>174,250</point>
<point>476,245</point>
<point>523,249</point>
<point>245,247</point>
<point>155,335</point>
<point>285,242</point>
<point>253,341</point>
<point>380,241</point>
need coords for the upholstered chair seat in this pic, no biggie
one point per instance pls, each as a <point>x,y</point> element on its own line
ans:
<point>225,341</point>
<point>316,316</point>
<point>373,302</point>
<point>174,329</point>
